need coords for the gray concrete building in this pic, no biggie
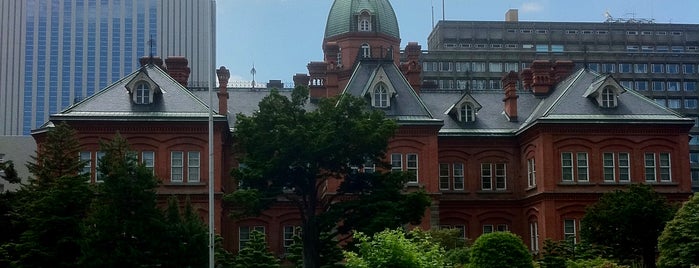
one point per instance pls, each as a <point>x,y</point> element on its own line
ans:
<point>659,60</point>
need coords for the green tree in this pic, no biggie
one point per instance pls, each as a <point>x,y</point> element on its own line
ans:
<point>291,153</point>
<point>124,227</point>
<point>8,172</point>
<point>52,205</point>
<point>392,248</point>
<point>186,236</point>
<point>255,253</point>
<point>679,242</point>
<point>628,223</point>
<point>500,250</point>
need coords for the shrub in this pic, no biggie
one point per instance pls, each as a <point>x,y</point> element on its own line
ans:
<point>500,249</point>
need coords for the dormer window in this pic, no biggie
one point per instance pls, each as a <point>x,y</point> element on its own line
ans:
<point>608,97</point>
<point>364,22</point>
<point>380,96</point>
<point>143,94</point>
<point>467,113</point>
<point>366,51</point>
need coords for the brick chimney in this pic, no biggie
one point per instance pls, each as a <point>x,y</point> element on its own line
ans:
<point>157,61</point>
<point>562,69</point>
<point>317,86</point>
<point>177,68</point>
<point>301,80</point>
<point>509,83</point>
<point>412,68</point>
<point>527,78</point>
<point>543,82</point>
<point>223,75</point>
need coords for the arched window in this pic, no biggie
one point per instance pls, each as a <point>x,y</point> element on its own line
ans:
<point>366,51</point>
<point>142,93</point>
<point>467,113</point>
<point>380,96</point>
<point>608,97</point>
<point>364,22</point>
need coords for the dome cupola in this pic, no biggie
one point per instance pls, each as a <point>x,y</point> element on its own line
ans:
<point>351,16</point>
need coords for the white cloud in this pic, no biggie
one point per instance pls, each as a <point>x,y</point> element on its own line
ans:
<point>531,7</point>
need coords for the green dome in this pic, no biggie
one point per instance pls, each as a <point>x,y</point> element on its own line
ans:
<point>343,17</point>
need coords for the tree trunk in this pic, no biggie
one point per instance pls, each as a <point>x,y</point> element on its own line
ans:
<point>310,236</point>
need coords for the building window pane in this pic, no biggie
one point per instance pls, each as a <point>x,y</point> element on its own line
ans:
<point>650,166</point>
<point>443,176</point>
<point>570,231</point>
<point>99,177</point>
<point>176,166</point>
<point>193,167</point>
<point>412,168</point>
<point>486,176</point>
<point>87,167</point>
<point>458,176</point>
<point>396,162</point>
<point>608,167</point>
<point>665,174</point>
<point>624,167</point>
<point>582,167</point>
<point>567,166</point>
<point>500,177</point>
<point>531,173</point>
<point>148,160</point>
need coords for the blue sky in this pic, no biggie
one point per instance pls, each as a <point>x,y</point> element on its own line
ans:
<point>281,36</point>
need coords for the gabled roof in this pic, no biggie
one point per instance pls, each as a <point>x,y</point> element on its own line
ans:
<point>406,106</point>
<point>566,104</point>
<point>175,103</point>
<point>465,98</point>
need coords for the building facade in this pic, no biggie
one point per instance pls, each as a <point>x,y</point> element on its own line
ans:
<point>658,60</point>
<point>55,53</point>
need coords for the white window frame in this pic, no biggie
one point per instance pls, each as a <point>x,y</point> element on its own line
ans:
<point>396,162</point>
<point>531,173</point>
<point>193,166</point>
<point>575,165</point>
<point>569,234</point>
<point>148,160</point>
<point>87,167</point>
<point>99,177</point>
<point>142,93</point>
<point>534,236</point>
<point>381,96</point>
<point>366,50</point>
<point>650,168</point>
<point>411,161</point>
<point>177,166</point>
<point>467,113</point>
<point>444,181</point>
<point>608,98</point>
<point>488,228</point>
<point>458,175</point>
<point>248,230</point>
<point>665,167</point>
<point>288,233</point>
<point>624,161</point>
<point>608,167</point>
<point>493,176</point>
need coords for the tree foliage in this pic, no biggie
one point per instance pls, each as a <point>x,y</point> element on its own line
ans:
<point>392,248</point>
<point>679,241</point>
<point>500,249</point>
<point>186,234</point>
<point>292,153</point>
<point>51,207</point>
<point>255,253</point>
<point>628,223</point>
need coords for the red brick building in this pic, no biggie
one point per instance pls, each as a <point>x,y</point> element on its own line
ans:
<point>528,161</point>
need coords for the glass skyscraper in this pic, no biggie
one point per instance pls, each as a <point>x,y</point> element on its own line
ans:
<point>56,52</point>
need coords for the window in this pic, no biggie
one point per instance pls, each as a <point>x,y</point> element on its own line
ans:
<point>657,165</point>
<point>542,48</point>
<point>411,160</point>
<point>463,66</point>
<point>625,67</point>
<point>673,68</point>
<point>571,31</point>
<point>607,67</point>
<point>608,98</point>
<point>461,228</point>
<point>557,48</point>
<point>411,165</point>
<point>98,175</point>
<point>647,48</point>
<point>445,66</point>
<point>193,164</point>
<point>570,231</point>
<point>688,68</point>
<point>496,45</point>
<point>478,67</point>
<point>640,68</point>
<point>455,178</point>
<point>627,84</point>
<point>364,25</point>
<point>148,160</point>
<point>366,50</point>
<point>493,173</point>
<point>673,103</point>
<point>610,162</point>
<point>631,32</point>
<point>288,236</point>
<point>467,113</point>
<point>531,173</point>
<point>487,228</point>
<point>511,66</point>
<point>177,166</point>
<point>690,86</point>
<point>495,84</point>
<point>142,93</point>
<point>657,68</point>
<point>541,31</point>
<point>495,67</point>
<point>632,48</point>
<point>244,234</point>
<point>673,86</point>
<point>380,96</point>
<point>534,236</point>
<point>87,167</point>
<point>646,33</point>
<point>641,85</point>
<point>574,169</point>
<point>658,85</point>
<point>693,157</point>
<point>662,48</point>
<point>480,45</point>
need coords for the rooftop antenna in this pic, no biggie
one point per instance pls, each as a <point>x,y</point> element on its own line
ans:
<point>150,44</point>
<point>443,17</point>
<point>432,15</point>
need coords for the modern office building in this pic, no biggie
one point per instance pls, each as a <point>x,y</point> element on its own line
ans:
<point>658,60</point>
<point>54,52</point>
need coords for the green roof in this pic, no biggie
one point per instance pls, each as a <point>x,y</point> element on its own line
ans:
<point>343,17</point>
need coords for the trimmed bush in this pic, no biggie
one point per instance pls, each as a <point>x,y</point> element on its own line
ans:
<point>500,250</point>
